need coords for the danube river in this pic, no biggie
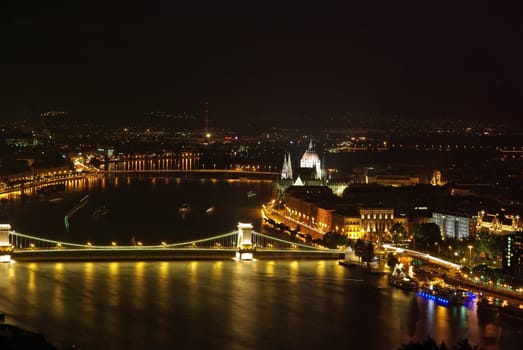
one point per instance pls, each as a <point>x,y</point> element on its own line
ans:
<point>279,304</point>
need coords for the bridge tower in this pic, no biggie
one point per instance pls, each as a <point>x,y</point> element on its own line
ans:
<point>245,247</point>
<point>6,248</point>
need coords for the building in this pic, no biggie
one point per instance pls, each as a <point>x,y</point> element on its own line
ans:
<point>376,223</point>
<point>501,224</point>
<point>6,248</point>
<point>301,204</point>
<point>512,260</point>
<point>310,172</point>
<point>311,160</point>
<point>455,225</point>
<point>347,221</point>
<point>393,180</point>
<point>317,207</point>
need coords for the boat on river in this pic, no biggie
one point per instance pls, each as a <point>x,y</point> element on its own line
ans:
<point>445,294</point>
<point>55,200</point>
<point>184,209</point>
<point>404,282</point>
<point>511,309</point>
<point>400,279</point>
<point>100,212</point>
<point>487,304</point>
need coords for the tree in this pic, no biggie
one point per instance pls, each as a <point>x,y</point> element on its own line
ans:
<point>359,248</point>
<point>427,234</point>
<point>334,239</point>
<point>398,232</point>
<point>430,344</point>
<point>364,250</point>
<point>488,244</point>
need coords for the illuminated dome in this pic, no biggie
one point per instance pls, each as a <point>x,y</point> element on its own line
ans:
<point>310,158</point>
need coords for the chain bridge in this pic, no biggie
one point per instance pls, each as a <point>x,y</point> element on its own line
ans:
<point>242,244</point>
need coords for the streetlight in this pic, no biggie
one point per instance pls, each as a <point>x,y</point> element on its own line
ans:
<point>470,255</point>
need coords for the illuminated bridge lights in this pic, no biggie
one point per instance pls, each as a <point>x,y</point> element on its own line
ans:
<point>37,245</point>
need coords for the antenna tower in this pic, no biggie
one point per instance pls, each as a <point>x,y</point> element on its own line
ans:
<point>206,118</point>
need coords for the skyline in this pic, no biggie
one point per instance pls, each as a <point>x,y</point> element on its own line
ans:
<point>286,60</point>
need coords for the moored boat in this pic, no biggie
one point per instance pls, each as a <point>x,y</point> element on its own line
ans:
<point>514,310</point>
<point>400,279</point>
<point>404,282</point>
<point>445,294</point>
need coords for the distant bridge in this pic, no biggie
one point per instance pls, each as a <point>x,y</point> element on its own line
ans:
<point>190,171</point>
<point>224,246</point>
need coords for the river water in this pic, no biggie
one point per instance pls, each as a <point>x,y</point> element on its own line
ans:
<point>279,304</point>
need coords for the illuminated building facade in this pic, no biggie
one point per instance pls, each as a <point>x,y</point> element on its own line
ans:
<point>348,223</point>
<point>453,225</point>
<point>317,207</point>
<point>393,180</point>
<point>311,160</point>
<point>512,260</point>
<point>5,246</point>
<point>498,223</point>
<point>376,222</point>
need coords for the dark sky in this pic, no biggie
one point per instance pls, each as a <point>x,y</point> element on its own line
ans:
<point>425,59</point>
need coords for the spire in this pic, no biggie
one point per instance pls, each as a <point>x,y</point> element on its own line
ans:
<point>286,170</point>
<point>311,148</point>
<point>289,165</point>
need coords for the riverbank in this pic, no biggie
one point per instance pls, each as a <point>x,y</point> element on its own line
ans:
<point>14,337</point>
<point>303,230</point>
<point>485,289</point>
<point>31,184</point>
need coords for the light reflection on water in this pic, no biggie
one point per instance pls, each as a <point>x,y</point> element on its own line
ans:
<point>230,305</point>
<point>209,304</point>
<point>141,207</point>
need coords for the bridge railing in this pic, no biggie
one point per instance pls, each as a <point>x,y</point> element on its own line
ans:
<point>264,241</point>
<point>25,242</point>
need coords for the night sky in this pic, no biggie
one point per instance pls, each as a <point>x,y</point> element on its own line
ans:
<point>423,59</point>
